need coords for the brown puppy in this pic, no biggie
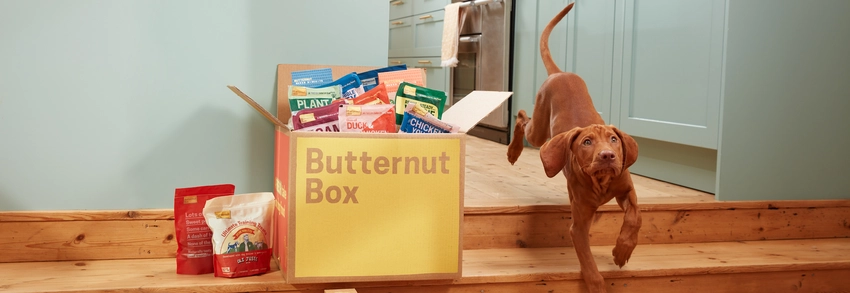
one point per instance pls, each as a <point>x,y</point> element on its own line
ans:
<point>593,157</point>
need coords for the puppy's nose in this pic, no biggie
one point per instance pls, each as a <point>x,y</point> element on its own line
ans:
<point>607,155</point>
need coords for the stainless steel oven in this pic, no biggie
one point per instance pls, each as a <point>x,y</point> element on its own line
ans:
<point>484,61</point>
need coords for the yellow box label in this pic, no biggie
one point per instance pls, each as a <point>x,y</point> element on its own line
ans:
<point>375,206</point>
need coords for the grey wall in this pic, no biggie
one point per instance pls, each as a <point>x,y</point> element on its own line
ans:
<point>111,104</point>
<point>786,110</point>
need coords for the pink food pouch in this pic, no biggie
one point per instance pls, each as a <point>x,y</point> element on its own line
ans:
<point>367,118</point>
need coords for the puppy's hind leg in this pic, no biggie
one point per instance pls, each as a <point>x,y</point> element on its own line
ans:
<point>516,145</point>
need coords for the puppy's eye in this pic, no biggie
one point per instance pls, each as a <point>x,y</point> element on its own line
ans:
<point>613,139</point>
<point>586,141</point>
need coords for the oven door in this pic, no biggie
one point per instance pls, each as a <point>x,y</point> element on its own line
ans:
<point>483,63</point>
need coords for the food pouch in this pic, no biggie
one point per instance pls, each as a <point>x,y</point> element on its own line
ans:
<point>394,78</point>
<point>318,119</point>
<point>301,97</point>
<point>418,120</point>
<point>313,77</point>
<point>375,96</point>
<point>367,118</point>
<point>194,246</point>
<point>241,227</point>
<point>351,86</point>
<point>432,100</point>
<point>370,78</point>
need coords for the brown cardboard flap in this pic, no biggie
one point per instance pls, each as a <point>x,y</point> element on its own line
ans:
<point>257,107</point>
<point>284,80</point>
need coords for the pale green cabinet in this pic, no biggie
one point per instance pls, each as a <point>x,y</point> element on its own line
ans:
<point>401,8</point>
<point>589,51</point>
<point>425,6</point>
<point>651,67</point>
<point>720,94</point>
<point>436,77</point>
<point>416,32</point>
<point>580,43</point>
<point>671,54</point>
<point>401,36</point>
<point>428,33</point>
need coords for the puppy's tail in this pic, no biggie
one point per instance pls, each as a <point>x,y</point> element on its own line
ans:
<point>551,67</point>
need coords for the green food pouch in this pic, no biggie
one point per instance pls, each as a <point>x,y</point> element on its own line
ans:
<point>431,100</point>
<point>301,97</point>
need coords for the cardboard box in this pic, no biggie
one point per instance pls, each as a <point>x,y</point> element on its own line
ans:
<point>354,207</point>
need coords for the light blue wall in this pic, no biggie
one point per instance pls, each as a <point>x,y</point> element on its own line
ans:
<point>786,110</point>
<point>111,104</point>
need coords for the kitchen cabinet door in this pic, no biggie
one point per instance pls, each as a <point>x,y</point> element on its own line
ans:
<point>428,33</point>
<point>671,70</point>
<point>436,77</point>
<point>530,19</point>
<point>401,37</point>
<point>422,6</point>
<point>400,8</point>
<point>590,53</point>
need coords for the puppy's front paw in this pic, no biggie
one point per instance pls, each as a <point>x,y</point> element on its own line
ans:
<point>623,251</point>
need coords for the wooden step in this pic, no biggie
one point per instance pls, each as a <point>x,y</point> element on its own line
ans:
<point>519,206</point>
<point>91,235</point>
<point>813,265</point>
<point>548,226</point>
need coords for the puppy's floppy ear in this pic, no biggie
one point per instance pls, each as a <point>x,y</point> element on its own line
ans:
<point>555,152</point>
<point>630,147</point>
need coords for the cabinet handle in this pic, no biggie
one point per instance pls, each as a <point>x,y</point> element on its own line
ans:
<point>395,62</point>
<point>426,16</point>
<point>398,22</point>
<point>424,61</point>
<point>396,3</point>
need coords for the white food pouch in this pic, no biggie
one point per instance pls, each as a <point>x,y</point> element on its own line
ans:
<point>241,233</point>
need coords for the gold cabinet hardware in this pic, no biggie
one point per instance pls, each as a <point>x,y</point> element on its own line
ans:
<point>398,22</point>
<point>424,61</point>
<point>395,62</point>
<point>396,3</point>
<point>426,16</point>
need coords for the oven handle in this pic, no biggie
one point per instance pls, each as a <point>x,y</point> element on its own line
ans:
<point>477,2</point>
<point>470,39</point>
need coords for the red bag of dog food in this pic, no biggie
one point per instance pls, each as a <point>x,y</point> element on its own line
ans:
<point>194,238</point>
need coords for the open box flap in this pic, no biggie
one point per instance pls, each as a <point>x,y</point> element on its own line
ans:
<point>467,112</point>
<point>259,108</point>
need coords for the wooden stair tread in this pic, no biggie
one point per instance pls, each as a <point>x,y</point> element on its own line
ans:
<point>480,267</point>
<point>650,260</point>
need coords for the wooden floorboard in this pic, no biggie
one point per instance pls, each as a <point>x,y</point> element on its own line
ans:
<point>497,183</point>
<point>496,268</point>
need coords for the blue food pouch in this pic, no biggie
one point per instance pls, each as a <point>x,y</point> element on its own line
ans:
<point>369,79</point>
<point>351,86</point>
<point>312,77</point>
